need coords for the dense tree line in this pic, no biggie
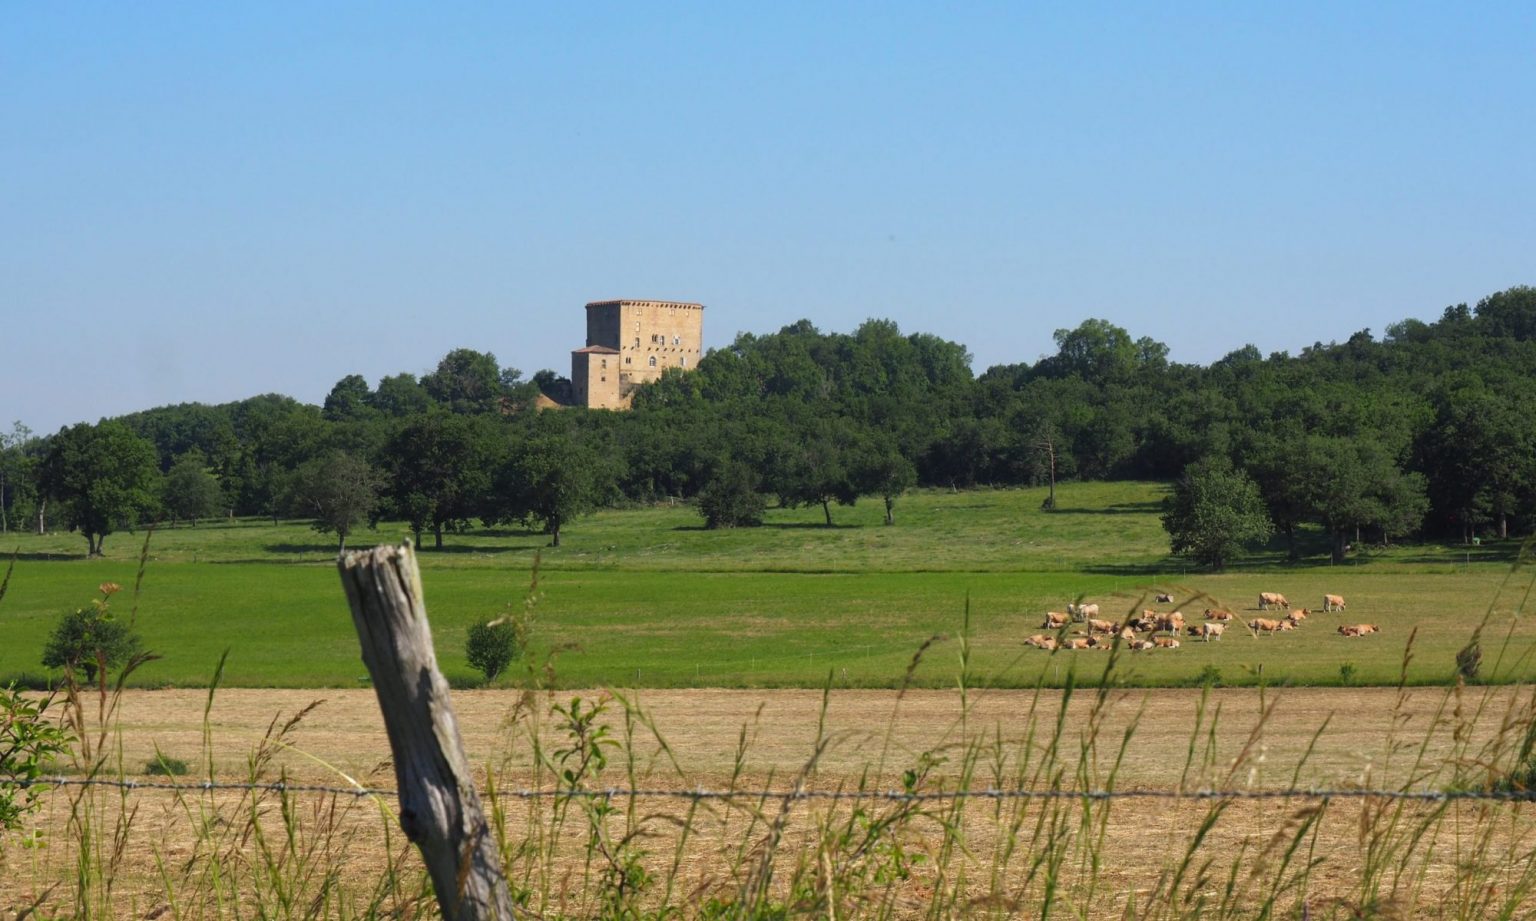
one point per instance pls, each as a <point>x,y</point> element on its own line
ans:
<point>1430,429</point>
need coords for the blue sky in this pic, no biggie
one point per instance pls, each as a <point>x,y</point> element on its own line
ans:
<point>203,202</point>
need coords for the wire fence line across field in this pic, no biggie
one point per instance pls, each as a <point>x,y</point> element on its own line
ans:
<point>1430,796</point>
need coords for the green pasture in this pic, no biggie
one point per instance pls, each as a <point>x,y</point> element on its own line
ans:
<point>644,597</point>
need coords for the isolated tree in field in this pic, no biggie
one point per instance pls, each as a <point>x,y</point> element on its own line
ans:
<point>823,467</point>
<point>189,491</point>
<point>440,470</point>
<point>337,492</point>
<point>551,480</point>
<point>731,498</point>
<point>102,476</point>
<point>885,472</point>
<point>1213,513</point>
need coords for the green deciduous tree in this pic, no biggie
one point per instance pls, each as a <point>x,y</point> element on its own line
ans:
<point>466,381</point>
<point>731,498</point>
<point>337,492</point>
<point>439,468</point>
<point>189,491</point>
<point>552,479</point>
<point>103,476</point>
<point>18,472</point>
<point>884,471</point>
<point>1354,483</point>
<point>1214,512</point>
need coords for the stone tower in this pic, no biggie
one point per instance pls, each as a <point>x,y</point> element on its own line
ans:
<point>630,343</point>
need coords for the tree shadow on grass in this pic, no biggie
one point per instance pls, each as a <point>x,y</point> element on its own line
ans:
<point>40,557</point>
<point>1119,508</point>
<point>425,548</point>
<point>286,548</point>
<point>508,532</point>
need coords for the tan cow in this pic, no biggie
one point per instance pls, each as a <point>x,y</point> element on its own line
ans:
<point>1127,634</point>
<point>1170,623</point>
<point>1333,602</point>
<point>1165,642</point>
<point>1081,612</point>
<point>1297,616</point>
<point>1101,626</point>
<point>1269,600</point>
<point>1078,642</point>
<point>1358,629</point>
<point>1143,645</point>
<point>1055,620</point>
<point>1265,625</point>
<point>1207,632</point>
<point>1218,614</point>
<point>1041,641</point>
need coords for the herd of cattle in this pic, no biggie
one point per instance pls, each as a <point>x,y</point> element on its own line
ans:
<point>1161,630</point>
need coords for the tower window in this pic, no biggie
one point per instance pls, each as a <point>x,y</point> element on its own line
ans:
<point>653,361</point>
<point>682,362</point>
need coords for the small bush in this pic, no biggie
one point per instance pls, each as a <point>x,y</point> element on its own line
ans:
<point>166,766</point>
<point>90,639</point>
<point>1347,674</point>
<point>492,645</point>
<point>1469,661</point>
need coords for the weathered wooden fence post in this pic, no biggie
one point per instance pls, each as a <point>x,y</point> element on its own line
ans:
<point>439,808</point>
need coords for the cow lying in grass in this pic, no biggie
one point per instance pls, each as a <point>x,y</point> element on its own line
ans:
<point>1358,629</point>
<point>1265,625</point>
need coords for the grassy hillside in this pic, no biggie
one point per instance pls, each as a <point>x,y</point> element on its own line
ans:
<point>644,596</point>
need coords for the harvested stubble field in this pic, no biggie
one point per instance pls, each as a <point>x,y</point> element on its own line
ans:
<point>984,857</point>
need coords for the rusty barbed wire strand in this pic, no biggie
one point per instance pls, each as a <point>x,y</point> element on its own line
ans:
<point>1318,793</point>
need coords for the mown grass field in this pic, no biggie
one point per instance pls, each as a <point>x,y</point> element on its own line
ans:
<point>645,597</point>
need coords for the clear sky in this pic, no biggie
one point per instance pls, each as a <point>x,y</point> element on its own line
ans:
<point>203,202</point>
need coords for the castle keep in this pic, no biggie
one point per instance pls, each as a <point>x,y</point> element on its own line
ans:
<point>630,343</point>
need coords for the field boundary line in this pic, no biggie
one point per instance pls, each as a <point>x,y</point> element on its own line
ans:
<point>1317,793</point>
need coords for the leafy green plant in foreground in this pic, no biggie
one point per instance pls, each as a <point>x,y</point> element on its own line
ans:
<point>30,740</point>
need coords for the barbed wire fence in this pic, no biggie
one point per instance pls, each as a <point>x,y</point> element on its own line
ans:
<point>698,795</point>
